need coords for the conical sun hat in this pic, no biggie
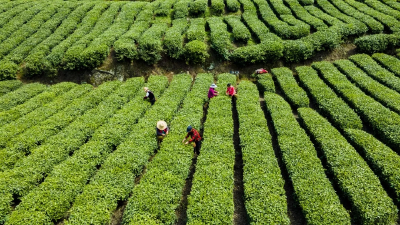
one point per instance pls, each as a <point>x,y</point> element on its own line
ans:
<point>213,86</point>
<point>161,125</point>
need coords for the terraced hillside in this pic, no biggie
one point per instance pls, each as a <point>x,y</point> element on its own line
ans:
<point>40,38</point>
<point>317,145</point>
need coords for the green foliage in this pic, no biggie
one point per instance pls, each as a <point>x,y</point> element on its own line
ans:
<point>112,182</point>
<point>389,62</point>
<point>374,70</point>
<point>217,7</point>
<point>331,106</point>
<point>8,86</point>
<point>220,40</point>
<point>265,51</point>
<point>8,70</point>
<point>211,197</point>
<point>312,189</point>
<point>239,30</point>
<point>181,9</point>
<point>292,92</point>
<point>381,93</point>
<point>198,7</point>
<point>74,59</point>
<point>196,30</point>
<point>150,45</point>
<point>164,8</point>
<point>37,101</point>
<point>125,46</point>
<point>382,160</point>
<point>232,5</point>
<point>263,184</point>
<point>20,95</point>
<point>164,175</point>
<point>302,14</point>
<point>195,52</point>
<point>265,83</point>
<point>385,123</point>
<point>373,25</point>
<point>377,42</point>
<point>173,40</point>
<point>351,173</point>
<point>380,6</point>
<point>297,50</point>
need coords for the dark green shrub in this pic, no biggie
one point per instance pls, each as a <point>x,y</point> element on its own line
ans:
<point>195,52</point>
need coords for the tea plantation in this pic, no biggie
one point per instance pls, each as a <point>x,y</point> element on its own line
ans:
<point>315,142</point>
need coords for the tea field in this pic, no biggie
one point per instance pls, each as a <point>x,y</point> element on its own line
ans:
<point>40,38</point>
<point>310,142</point>
<point>74,154</point>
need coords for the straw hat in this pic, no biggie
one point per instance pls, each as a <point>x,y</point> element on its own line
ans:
<point>145,88</point>
<point>213,86</point>
<point>161,125</point>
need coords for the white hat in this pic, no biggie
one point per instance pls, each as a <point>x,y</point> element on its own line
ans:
<point>213,86</point>
<point>161,125</point>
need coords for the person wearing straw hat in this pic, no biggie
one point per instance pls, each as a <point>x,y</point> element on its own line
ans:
<point>162,130</point>
<point>212,92</point>
<point>149,95</point>
<point>194,137</point>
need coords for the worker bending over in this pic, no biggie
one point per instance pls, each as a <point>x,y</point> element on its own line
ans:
<point>194,137</point>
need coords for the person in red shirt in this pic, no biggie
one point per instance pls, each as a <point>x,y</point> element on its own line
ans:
<point>194,137</point>
<point>230,90</point>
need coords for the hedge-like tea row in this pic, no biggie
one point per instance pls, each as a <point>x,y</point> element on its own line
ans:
<point>386,124</point>
<point>10,15</point>
<point>99,49</point>
<point>78,165</point>
<point>323,16</point>
<point>73,57</point>
<point>382,160</point>
<point>8,86</point>
<point>328,102</point>
<point>196,31</point>
<point>270,48</point>
<point>357,27</point>
<point>377,5</point>
<point>293,93</point>
<point>266,83</point>
<point>381,93</point>
<point>313,190</point>
<point>27,174</point>
<point>217,7</point>
<point>220,40</point>
<point>393,4</point>
<point>114,181</point>
<point>211,197</point>
<point>198,7</point>
<point>373,25</point>
<point>150,43</point>
<point>377,42</point>
<point>32,64</point>
<point>20,15</point>
<point>125,46</point>
<point>20,95</point>
<point>29,28</point>
<point>40,114</point>
<point>232,5</point>
<point>302,14</point>
<point>18,54</point>
<point>296,29</point>
<point>374,70</point>
<point>389,62</point>
<point>265,198</point>
<point>165,7</point>
<point>370,203</point>
<point>385,19</point>
<point>239,30</point>
<point>181,9</point>
<point>20,146</point>
<point>52,61</point>
<point>32,169</point>
<point>166,176</point>
<point>174,38</point>
<point>39,100</point>
<point>248,6</point>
